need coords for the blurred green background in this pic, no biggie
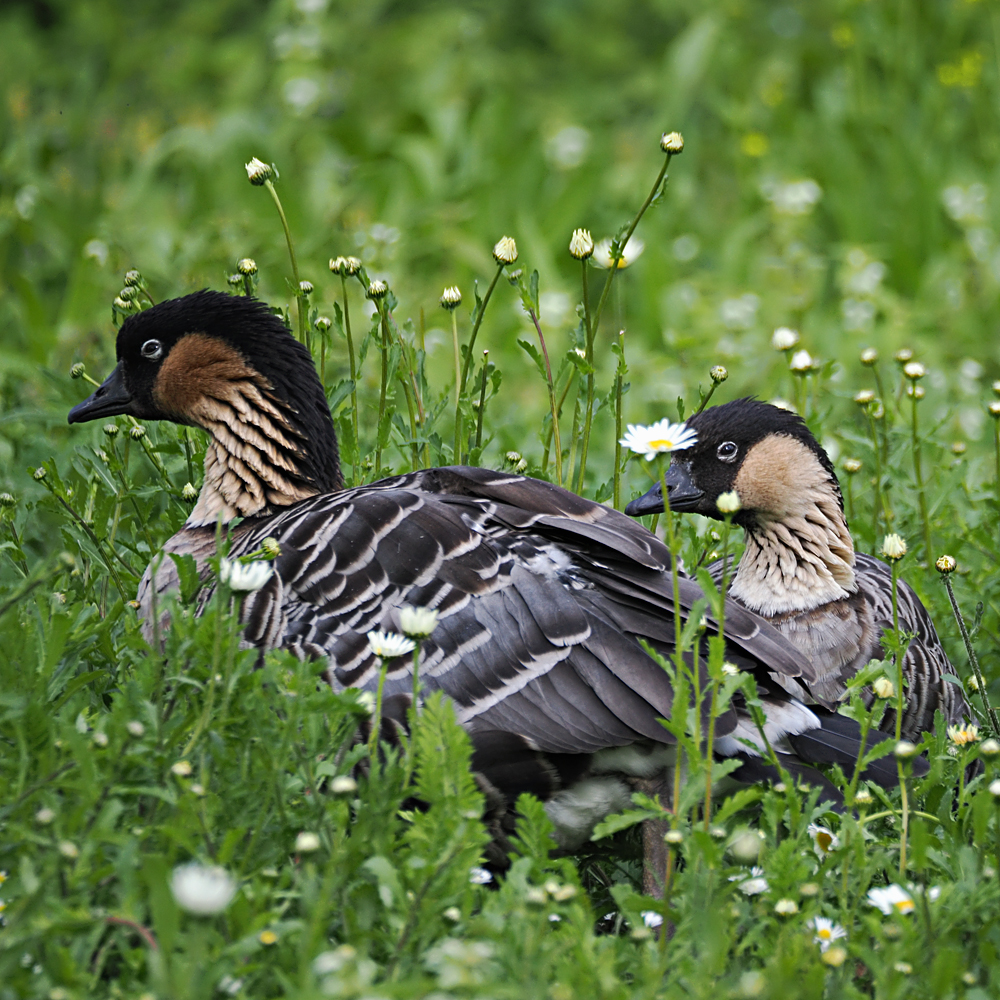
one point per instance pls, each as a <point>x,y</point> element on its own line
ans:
<point>838,177</point>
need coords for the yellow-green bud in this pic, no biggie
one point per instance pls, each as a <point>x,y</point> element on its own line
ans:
<point>869,356</point>
<point>246,265</point>
<point>77,371</point>
<point>451,297</point>
<point>672,143</point>
<point>111,430</point>
<point>323,324</point>
<point>718,374</point>
<point>137,433</point>
<point>377,289</point>
<point>903,355</point>
<point>581,245</point>
<point>946,564</point>
<point>505,251</point>
<point>189,493</point>
<point>258,172</point>
<point>39,474</point>
<point>852,465</point>
<point>305,287</point>
<point>6,500</point>
<point>133,277</point>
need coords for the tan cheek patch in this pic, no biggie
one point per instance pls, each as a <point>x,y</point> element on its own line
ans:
<point>198,366</point>
<point>778,476</point>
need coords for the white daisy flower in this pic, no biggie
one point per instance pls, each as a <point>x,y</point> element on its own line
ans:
<point>826,931</point>
<point>630,252</point>
<point>658,439</point>
<point>202,889</point>
<point>389,645</point>
<point>824,840</point>
<point>891,899</point>
<point>245,577</point>
<point>418,623</point>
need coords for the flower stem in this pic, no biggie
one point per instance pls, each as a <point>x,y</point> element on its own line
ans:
<point>482,400</point>
<point>552,396</point>
<point>299,299</point>
<point>354,372</point>
<point>589,415</point>
<point>621,245</point>
<point>458,386</point>
<point>918,473</point>
<point>383,668</point>
<point>382,388</point>
<point>619,377</point>
<point>476,325</point>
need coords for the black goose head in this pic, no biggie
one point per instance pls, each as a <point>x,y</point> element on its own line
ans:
<point>178,357</point>
<point>766,454</point>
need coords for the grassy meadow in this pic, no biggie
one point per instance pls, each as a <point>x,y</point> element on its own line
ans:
<point>839,178</point>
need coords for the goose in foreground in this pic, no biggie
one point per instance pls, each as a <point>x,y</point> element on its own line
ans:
<point>544,597</point>
<point>799,570</point>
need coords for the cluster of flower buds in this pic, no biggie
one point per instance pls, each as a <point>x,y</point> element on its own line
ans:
<point>346,267</point>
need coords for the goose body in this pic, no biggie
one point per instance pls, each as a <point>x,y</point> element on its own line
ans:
<point>799,570</point>
<point>544,597</point>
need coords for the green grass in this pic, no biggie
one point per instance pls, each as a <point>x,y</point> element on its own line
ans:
<point>431,131</point>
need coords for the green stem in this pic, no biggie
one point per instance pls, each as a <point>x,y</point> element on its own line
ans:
<point>973,659</point>
<point>628,234</point>
<point>458,389</point>
<point>482,401</point>
<point>585,448</point>
<point>918,473</point>
<point>619,376</point>
<point>376,722</point>
<point>354,371</point>
<point>291,255</point>
<point>996,460</point>
<point>552,397</point>
<point>476,325</point>
<point>382,388</point>
<point>710,741</point>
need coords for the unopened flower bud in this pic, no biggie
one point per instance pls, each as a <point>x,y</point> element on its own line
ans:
<point>343,784</point>
<point>994,409</point>
<point>305,287</point>
<point>137,433</point>
<point>100,739</point>
<point>801,362</point>
<point>674,837</point>
<point>869,356</point>
<point>728,503</point>
<point>903,355</point>
<point>128,293</point>
<point>451,298</point>
<point>246,265</point>
<point>672,143</point>
<point>863,798</point>
<point>915,392</point>
<point>946,564</point>
<point>133,278</point>
<point>39,474</point>
<point>6,500</point>
<point>905,749</point>
<point>893,547</point>
<point>136,728</point>
<point>189,493</point>
<point>784,339</point>
<point>884,687</point>
<point>989,748</point>
<point>718,374</point>
<point>122,305</point>
<point>505,251</point>
<point>306,842</point>
<point>994,790</point>
<point>377,289</point>
<point>111,430</point>
<point>514,276</point>
<point>351,266</point>
<point>864,396</point>
<point>996,387</point>
<point>581,246</point>
<point>323,324</point>
<point>234,280</point>
<point>852,465</point>
<point>338,265</point>
<point>77,370</point>
<point>270,547</point>
<point>958,447</point>
<point>914,370</point>
<point>258,172</point>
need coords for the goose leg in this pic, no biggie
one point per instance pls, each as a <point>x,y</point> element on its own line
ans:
<point>654,847</point>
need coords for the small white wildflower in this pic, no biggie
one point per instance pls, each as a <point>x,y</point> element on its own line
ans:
<point>869,356</point>
<point>891,899</point>
<point>989,748</point>
<point>883,687</point>
<point>753,886</point>
<point>745,845</point>
<point>69,850</point>
<point>417,623</point>
<point>581,246</point>
<point>100,739</point>
<point>306,842</point>
<point>45,815</point>
<point>893,547</point>
<point>505,251</point>
<point>904,967</point>
<point>389,645</point>
<point>451,297</point>
<point>730,669</point>
<point>343,784</point>
<point>258,171</point>
<point>377,289</point>
<point>629,253</point>
<point>728,503</point>
<point>658,439</point>
<point>824,840</point>
<point>718,374</point>
<point>961,735</point>
<point>202,889</point>
<point>189,493</point>
<point>994,791</point>
<point>452,913</point>
<point>651,918</point>
<point>674,837</point>
<point>246,266</point>
<point>809,889</point>
<point>904,749</point>
<point>826,931</point>
<point>784,338</point>
<point>182,768</point>
<point>245,578</point>
<point>786,907</point>
<point>479,876</point>
<point>801,361</point>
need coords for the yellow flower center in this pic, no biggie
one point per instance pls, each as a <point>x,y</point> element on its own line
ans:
<point>825,933</point>
<point>904,905</point>
<point>662,445</point>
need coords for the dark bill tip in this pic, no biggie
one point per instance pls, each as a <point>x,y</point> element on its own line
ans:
<point>109,400</point>
<point>683,494</point>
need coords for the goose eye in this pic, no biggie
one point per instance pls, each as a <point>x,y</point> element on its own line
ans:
<point>727,451</point>
<point>152,349</point>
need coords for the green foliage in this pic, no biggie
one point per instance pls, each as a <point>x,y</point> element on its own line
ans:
<point>837,178</point>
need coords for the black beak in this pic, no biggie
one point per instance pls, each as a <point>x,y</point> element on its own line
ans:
<point>683,494</point>
<point>108,400</point>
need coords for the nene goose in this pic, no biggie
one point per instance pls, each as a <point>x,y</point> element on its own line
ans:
<point>543,596</point>
<point>799,570</point>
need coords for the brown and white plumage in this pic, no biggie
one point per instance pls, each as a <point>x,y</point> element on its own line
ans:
<point>799,570</point>
<point>544,597</point>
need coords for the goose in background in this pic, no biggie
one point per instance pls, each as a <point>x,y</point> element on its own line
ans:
<point>799,570</point>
